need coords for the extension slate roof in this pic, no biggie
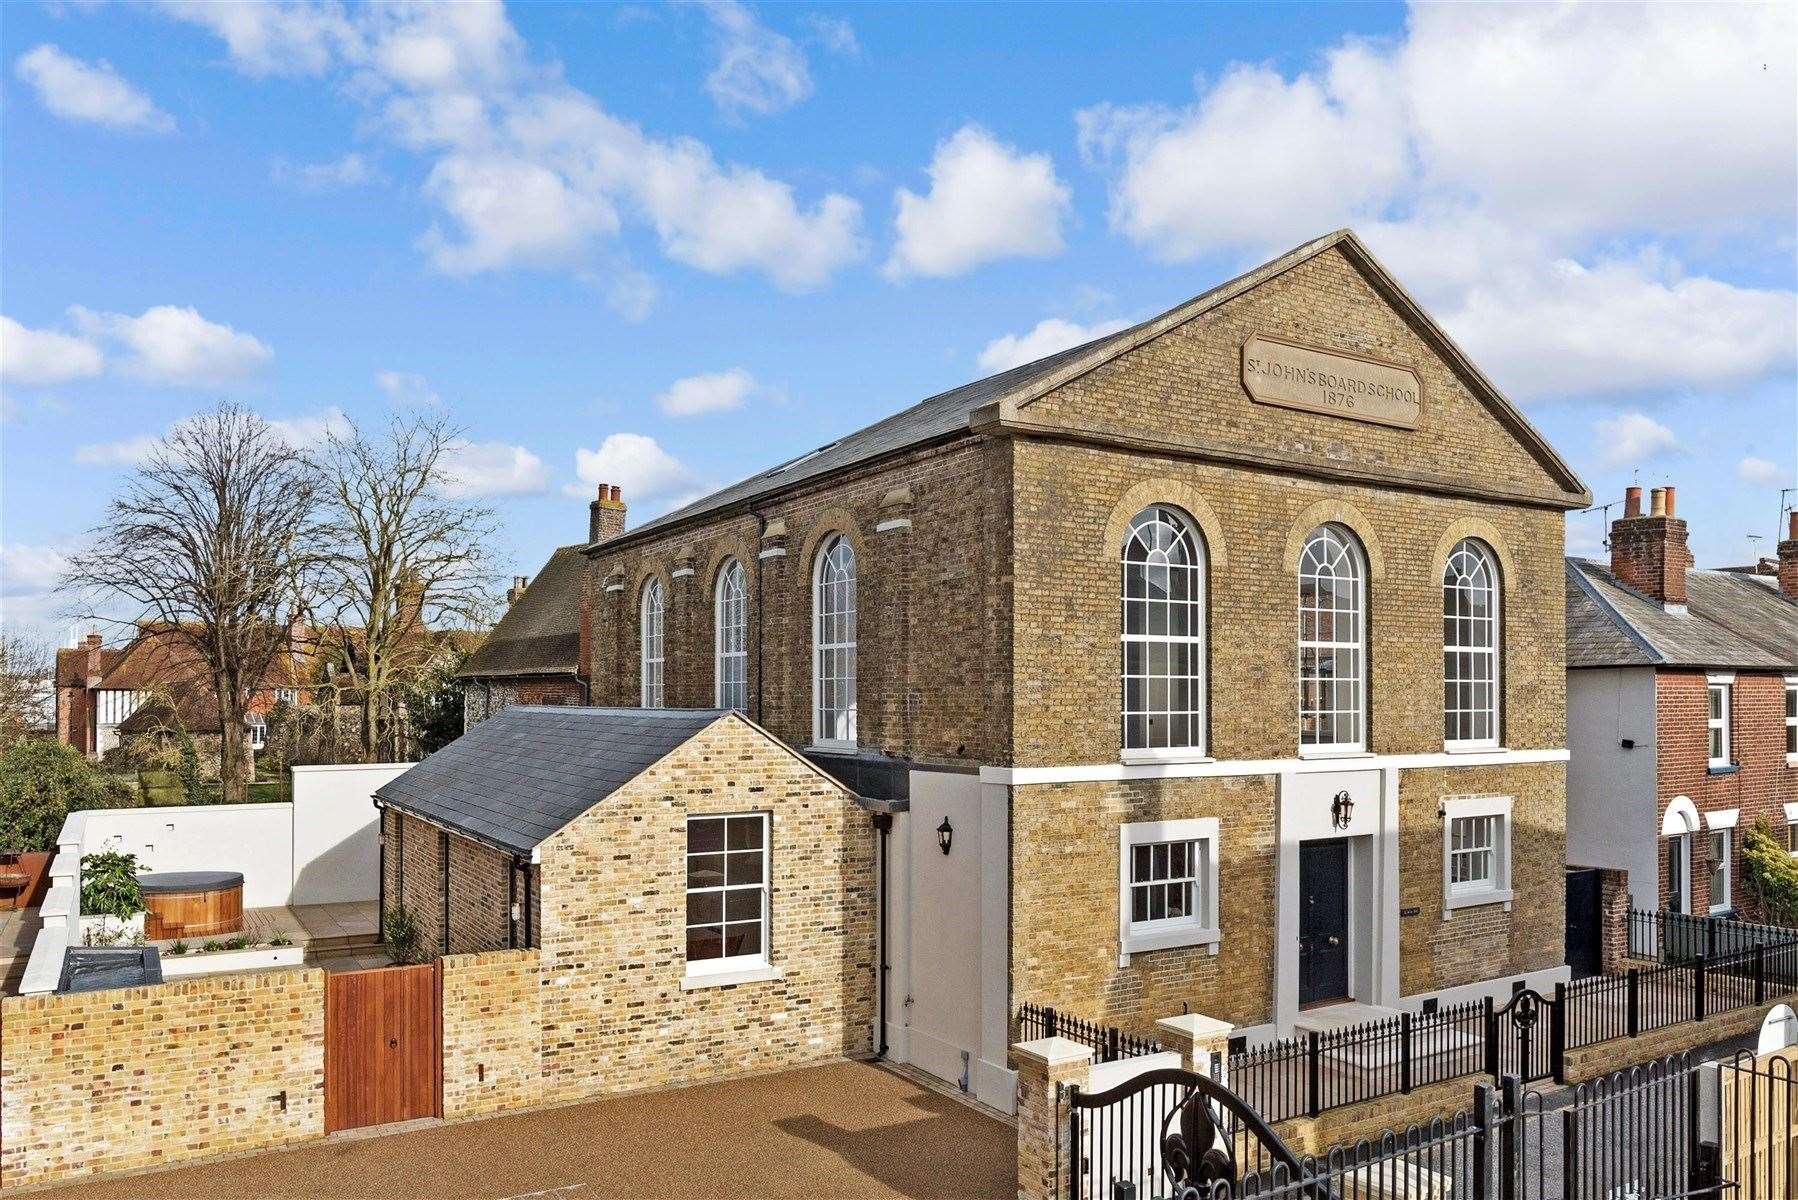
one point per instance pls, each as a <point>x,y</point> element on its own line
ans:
<point>1731,621</point>
<point>541,632</point>
<point>517,777</point>
<point>948,413</point>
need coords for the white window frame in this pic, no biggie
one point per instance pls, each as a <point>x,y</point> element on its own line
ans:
<point>1458,587</point>
<point>258,731</point>
<point>841,622</point>
<point>652,645</point>
<point>1724,687</point>
<point>1148,642</point>
<point>1726,871</point>
<point>1791,720</point>
<point>1355,645</point>
<point>1496,890</point>
<point>730,636</point>
<point>739,968</point>
<point>1199,929</point>
<point>1791,810</point>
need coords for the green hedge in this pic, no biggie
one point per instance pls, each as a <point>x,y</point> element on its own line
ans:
<point>41,783</point>
<point>1771,873</point>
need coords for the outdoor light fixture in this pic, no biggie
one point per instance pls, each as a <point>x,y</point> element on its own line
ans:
<point>1342,810</point>
<point>945,834</point>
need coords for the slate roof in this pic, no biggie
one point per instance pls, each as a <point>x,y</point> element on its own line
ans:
<point>1612,625</point>
<point>541,632</point>
<point>948,413</point>
<point>71,664</point>
<point>517,777</point>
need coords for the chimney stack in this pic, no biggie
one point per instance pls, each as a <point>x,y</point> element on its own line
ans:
<point>91,643</point>
<point>1788,557</point>
<point>519,583</point>
<point>605,515</point>
<point>1648,553</point>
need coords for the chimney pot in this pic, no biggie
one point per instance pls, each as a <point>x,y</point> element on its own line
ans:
<point>1632,502</point>
<point>1657,502</point>
<point>1792,526</point>
<point>602,491</point>
<point>1649,553</point>
<point>617,494</point>
<point>605,515</point>
<point>1668,490</point>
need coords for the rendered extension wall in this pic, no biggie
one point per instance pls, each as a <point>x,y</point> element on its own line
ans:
<point>336,834</point>
<point>1613,816</point>
<point>137,1077</point>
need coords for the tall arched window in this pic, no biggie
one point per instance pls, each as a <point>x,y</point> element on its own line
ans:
<point>1163,634</point>
<point>651,633</point>
<point>833,643</point>
<point>1332,642</point>
<point>1470,646</point>
<point>731,636</point>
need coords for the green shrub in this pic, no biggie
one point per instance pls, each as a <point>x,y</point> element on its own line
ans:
<point>41,783</point>
<point>176,947</point>
<point>189,769</point>
<point>240,942</point>
<point>212,945</point>
<point>109,885</point>
<point>400,932</point>
<point>1771,874</point>
<point>280,938</point>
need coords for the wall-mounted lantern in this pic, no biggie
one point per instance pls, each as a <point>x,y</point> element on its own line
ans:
<point>945,835</point>
<point>1342,810</point>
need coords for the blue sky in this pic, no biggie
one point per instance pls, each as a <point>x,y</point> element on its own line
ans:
<point>666,246</point>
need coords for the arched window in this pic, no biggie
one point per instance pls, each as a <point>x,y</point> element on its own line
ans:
<point>731,636</point>
<point>1470,646</point>
<point>651,627</point>
<point>1332,642</point>
<point>833,643</point>
<point>1163,634</point>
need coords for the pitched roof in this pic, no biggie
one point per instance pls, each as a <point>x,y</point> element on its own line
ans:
<point>949,413</point>
<point>517,777</point>
<point>71,664</point>
<point>541,632</point>
<point>1612,625</point>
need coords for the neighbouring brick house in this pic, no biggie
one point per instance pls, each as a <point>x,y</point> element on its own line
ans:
<point>659,862</point>
<point>1142,646</point>
<point>533,654</point>
<point>1682,704</point>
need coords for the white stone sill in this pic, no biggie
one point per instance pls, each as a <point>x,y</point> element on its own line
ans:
<point>1472,748</point>
<point>693,983</point>
<point>1311,755</point>
<point>1167,939</point>
<point>1502,896</point>
<point>1138,757</point>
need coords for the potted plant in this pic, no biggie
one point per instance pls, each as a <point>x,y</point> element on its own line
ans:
<point>109,891</point>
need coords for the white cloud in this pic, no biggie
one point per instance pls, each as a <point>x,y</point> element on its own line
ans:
<point>272,37</point>
<point>835,34</point>
<point>987,201</point>
<point>1048,337</point>
<point>758,70</point>
<point>43,356</point>
<point>697,395</point>
<point>304,433</point>
<point>406,387</point>
<point>1632,438</point>
<point>94,92</point>
<point>1760,472</point>
<point>173,345</point>
<point>27,570</point>
<point>512,212</point>
<point>493,469</point>
<point>349,171</point>
<point>126,452</point>
<point>636,463</point>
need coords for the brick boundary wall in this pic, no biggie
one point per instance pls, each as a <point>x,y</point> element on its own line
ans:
<point>152,1076</point>
<point>492,1033</point>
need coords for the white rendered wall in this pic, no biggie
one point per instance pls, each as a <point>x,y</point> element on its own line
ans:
<point>337,833</point>
<point>1613,818</point>
<point>256,839</point>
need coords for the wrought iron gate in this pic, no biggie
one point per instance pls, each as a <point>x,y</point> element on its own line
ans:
<point>1526,1038</point>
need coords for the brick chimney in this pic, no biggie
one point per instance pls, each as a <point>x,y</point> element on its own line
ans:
<point>91,644</point>
<point>519,583</point>
<point>1648,553</point>
<point>605,515</point>
<point>1788,557</point>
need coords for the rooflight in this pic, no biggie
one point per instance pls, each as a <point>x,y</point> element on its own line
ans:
<point>791,463</point>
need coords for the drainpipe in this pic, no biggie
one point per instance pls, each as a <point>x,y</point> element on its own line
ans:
<point>883,824</point>
<point>512,905</point>
<point>381,866</point>
<point>761,528</point>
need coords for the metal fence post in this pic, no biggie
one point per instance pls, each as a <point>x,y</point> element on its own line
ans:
<point>1313,1080</point>
<point>1509,1090</point>
<point>1074,1164</point>
<point>1557,1035</point>
<point>1051,1027</point>
<point>1491,1024</point>
<point>1404,1054</point>
<point>1481,1149</point>
<point>1710,938</point>
<point>1632,992</point>
<point>1698,988</point>
<point>1111,1044</point>
<point>1704,1150</point>
<point>1760,973</point>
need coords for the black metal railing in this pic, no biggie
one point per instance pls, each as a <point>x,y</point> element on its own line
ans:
<point>1681,938</point>
<point>1108,1042</point>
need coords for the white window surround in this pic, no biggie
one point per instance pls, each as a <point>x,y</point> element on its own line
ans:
<point>650,633</point>
<point>1719,699</point>
<point>1722,868</point>
<point>1498,890</point>
<point>730,637</point>
<point>834,616</point>
<point>1332,643</point>
<point>1201,928</point>
<point>1162,638</point>
<point>1472,669</point>
<point>1722,818</point>
<point>738,968</point>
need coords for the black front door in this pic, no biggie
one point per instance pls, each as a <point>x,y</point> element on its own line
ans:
<point>1585,929</point>
<point>1323,921</point>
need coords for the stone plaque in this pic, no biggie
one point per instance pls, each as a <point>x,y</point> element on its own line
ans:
<point>1325,381</point>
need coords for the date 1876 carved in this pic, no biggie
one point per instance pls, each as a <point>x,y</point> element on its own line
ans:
<point>1343,385</point>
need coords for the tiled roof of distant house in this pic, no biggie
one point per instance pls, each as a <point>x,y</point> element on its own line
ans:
<point>541,632</point>
<point>1730,621</point>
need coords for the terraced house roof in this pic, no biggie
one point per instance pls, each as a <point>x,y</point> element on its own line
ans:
<point>541,632</point>
<point>1731,620</point>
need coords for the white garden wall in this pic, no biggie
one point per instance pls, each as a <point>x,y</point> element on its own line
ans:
<point>337,833</point>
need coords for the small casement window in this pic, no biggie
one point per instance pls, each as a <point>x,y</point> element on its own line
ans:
<point>1163,636</point>
<point>731,632</point>
<point>1167,885</point>
<point>833,642</point>
<point>258,732</point>
<point>651,627</point>
<point>1792,720</point>
<point>1332,642</point>
<point>1717,694</point>
<point>727,892</point>
<point>1476,851</point>
<point>1470,682</point>
<point>1679,855</point>
<point>1721,870</point>
<point>1792,837</point>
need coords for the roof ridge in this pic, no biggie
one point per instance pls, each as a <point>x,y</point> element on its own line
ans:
<point>1628,626</point>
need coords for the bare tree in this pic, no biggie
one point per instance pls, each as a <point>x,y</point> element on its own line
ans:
<point>213,539</point>
<point>27,693</point>
<point>407,553</point>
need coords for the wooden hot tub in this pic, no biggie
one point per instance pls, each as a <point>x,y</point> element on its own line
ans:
<point>189,904</point>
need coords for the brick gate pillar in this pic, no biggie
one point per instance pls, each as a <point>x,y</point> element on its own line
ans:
<point>1196,1038</point>
<point>1044,1067</point>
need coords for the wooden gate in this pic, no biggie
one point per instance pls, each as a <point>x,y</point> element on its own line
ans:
<point>383,1046</point>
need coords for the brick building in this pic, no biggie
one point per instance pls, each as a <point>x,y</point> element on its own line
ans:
<point>1137,656</point>
<point>533,654</point>
<point>1682,699</point>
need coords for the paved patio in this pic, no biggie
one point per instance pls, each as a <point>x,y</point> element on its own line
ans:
<point>853,1130</point>
<point>318,927</point>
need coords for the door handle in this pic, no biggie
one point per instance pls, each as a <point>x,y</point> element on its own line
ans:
<point>1334,940</point>
<point>393,1043</point>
